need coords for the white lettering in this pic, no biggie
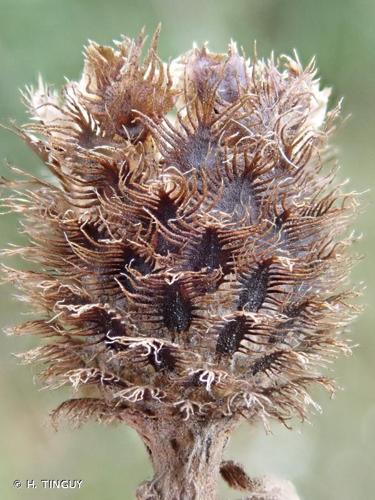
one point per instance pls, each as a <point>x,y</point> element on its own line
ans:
<point>57,483</point>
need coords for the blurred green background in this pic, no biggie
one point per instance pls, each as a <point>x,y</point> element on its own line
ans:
<point>334,458</point>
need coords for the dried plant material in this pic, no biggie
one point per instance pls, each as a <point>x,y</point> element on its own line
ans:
<point>264,488</point>
<point>235,476</point>
<point>193,270</point>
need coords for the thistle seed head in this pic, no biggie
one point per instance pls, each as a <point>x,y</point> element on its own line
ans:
<point>191,244</point>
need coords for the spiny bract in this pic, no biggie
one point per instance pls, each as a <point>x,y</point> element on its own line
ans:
<point>189,244</point>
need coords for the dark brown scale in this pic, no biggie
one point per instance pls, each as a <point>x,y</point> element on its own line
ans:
<point>136,262</point>
<point>293,312</point>
<point>115,329</point>
<point>165,212</point>
<point>195,379</point>
<point>176,309</point>
<point>267,362</point>
<point>166,209</point>
<point>254,290</point>
<point>209,253</point>
<point>162,359</point>
<point>92,232</point>
<point>163,246</point>
<point>230,336</point>
<point>133,261</point>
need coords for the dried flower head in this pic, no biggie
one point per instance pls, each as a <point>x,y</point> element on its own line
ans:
<point>192,251</point>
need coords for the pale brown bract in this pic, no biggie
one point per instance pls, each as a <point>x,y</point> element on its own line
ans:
<point>192,249</point>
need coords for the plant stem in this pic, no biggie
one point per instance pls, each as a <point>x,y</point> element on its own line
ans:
<point>186,457</point>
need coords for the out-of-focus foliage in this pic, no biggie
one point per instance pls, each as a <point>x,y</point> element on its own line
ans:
<point>332,459</point>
